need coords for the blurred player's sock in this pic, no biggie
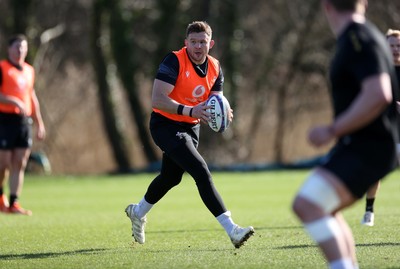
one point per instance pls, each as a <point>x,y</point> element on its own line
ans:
<point>369,205</point>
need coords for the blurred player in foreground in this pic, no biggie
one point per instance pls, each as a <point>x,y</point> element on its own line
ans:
<point>184,81</point>
<point>364,92</point>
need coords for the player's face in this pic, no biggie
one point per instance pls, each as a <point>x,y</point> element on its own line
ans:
<point>198,45</point>
<point>17,51</point>
<point>394,43</point>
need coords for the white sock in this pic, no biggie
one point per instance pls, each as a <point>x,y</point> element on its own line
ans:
<point>345,263</point>
<point>143,208</point>
<point>226,221</point>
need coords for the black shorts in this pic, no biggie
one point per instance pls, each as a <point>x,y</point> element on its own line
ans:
<point>15,131</point>
<point>168,134</point>
<point>362,162</point>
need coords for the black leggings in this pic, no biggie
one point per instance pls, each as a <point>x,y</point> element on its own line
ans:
<point>183,158</point>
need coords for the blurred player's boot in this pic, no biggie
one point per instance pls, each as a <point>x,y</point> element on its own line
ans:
<point>17,209</point>
<point>3,204</point>
<point>368,219</point>
<point>240,235</point>
<point>138,224</point>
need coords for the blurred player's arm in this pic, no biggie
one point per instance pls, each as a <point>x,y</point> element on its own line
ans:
<point>375,96</point>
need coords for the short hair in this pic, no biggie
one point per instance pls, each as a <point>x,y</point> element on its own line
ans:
<point>17,37</point>
<point>393,33</point>
<point>345,5</point>
<point>198,27</point>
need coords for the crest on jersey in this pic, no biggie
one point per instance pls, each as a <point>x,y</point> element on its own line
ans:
<point>198,91</point>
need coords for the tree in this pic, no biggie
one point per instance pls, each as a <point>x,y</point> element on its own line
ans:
<point>22,15</point>
<point>123,49</point>
<point>114,134</point>
<point>293,69</point>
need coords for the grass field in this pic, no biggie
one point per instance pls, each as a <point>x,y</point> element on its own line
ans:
<point>79,222</point>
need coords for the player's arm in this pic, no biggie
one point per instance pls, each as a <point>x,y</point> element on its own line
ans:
<point>37,117</point>
<point>163,85</point>
<point>160,97</point>
<point>375,96</point>
<point>218,86</point>
<point>162,101</point>
<point>12,100</point>
<point>218,89</point>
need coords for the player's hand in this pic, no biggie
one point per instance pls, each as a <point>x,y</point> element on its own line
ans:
<point>41,132</point>
<point>200,112</point>
<point>230,115</point>
<point>22,111</point>
<point>320,135</point>
<point>20,105</point>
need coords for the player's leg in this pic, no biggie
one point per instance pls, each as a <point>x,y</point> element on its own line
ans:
<point>8,136</point>
<point>187,157</point>
<point>320,197</point>
<point>170,176</point>
<point>5,160</point>
<point>350,243</point>
<point>368,218</point>
<point>168,136</point>
<point>19,161</point>
<point>191,161</point>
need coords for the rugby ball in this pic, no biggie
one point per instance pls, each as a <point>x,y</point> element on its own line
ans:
<point>219,109</point>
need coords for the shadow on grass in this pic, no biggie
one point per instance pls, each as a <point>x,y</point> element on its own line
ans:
<point>382,244</point>
<point>216,230</point>
<point>50,254</point>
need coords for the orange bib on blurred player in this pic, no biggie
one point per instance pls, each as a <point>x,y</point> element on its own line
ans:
<point>17,83</point>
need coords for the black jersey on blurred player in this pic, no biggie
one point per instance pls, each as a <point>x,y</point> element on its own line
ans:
<point>364,92</point>
<point>184,81</point>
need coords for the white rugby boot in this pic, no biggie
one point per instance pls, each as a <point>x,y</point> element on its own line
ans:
<point>240,235</point>
<point>138,224</point>
<point>368,219</point>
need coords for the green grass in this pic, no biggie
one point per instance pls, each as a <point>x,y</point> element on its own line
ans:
<point>79,222</point>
